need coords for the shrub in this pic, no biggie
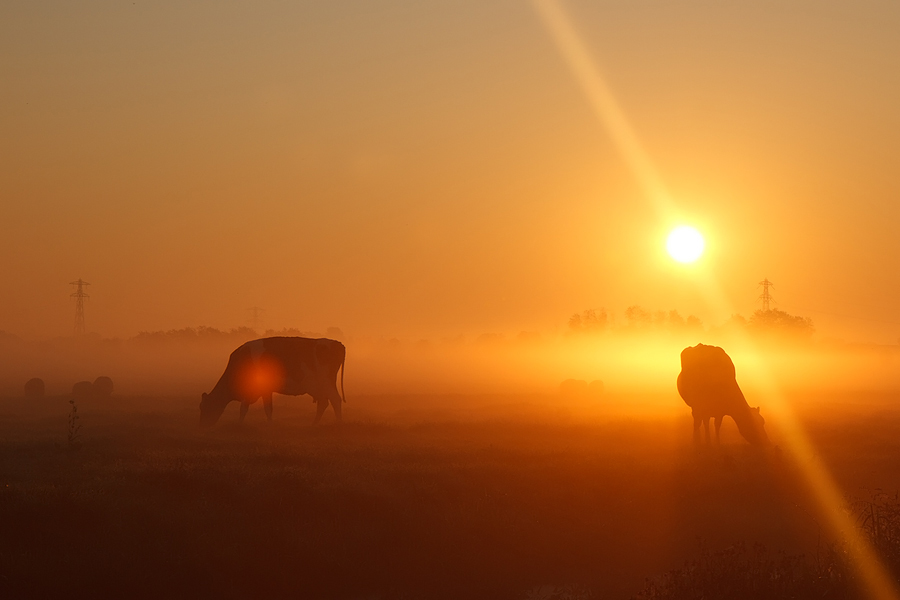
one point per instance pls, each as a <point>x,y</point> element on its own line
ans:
<point>738,573</point>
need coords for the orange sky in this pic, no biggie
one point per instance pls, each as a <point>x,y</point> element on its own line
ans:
<point>427,169</point>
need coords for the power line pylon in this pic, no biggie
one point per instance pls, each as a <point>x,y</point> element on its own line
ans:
<point>79,296</point>
<point>766,297</point>
<point>255,313</point>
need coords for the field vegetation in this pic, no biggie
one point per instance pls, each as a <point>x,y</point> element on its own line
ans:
<point>427,496</point>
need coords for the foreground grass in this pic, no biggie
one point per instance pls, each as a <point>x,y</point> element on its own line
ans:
<point>382,506</point>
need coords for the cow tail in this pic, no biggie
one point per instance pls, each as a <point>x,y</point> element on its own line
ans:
<point>343,360</point>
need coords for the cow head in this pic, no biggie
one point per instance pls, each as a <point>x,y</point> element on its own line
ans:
<point>211,408</point>
<point>756,432</point>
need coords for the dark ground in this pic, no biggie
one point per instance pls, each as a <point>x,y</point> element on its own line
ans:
<point>431,497</point>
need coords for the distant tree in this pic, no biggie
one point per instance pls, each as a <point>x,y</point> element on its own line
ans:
<point>595,320</point>
<point>736,322</point>
<point>659,319</point>
<point>454,341</point>
<point>778,321</point>
<point>207,333</point>
<point>693,322</point>
<point>289,332</point>
<point>196,334</point>
<point>528,337</point>
<point>590,321</point>
<point>489,338</point>
<point>676,321</point>
<point>637,317</point>
<point>575,324</point>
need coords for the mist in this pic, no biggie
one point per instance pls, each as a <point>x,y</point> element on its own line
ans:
<point>627,359</point>
<point>473,203</point>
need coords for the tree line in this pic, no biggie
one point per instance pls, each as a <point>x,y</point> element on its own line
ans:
<point>638,319</point>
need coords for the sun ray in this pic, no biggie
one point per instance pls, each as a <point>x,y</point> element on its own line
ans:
<point>611,116</point>
<point>604,104</point>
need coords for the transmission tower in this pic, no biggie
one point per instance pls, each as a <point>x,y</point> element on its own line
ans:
<point>255,313</point>
<point>79,296</point>
<point>766,297</point>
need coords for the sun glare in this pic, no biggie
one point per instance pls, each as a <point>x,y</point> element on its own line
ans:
<point>685,244</point>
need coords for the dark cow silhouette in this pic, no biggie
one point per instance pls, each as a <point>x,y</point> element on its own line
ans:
<point>286,365</point>
<point>573,387</point>
<point>34,388</point>
<point>103,387</point>
<point>708,385</point>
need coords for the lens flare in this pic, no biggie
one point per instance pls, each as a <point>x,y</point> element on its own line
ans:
<point>874,576</point>
<point>685,244</point>
<point>260,377</point>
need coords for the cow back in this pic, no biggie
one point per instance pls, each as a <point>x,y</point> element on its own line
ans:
<point>707,379</point>
<point>708,362</point>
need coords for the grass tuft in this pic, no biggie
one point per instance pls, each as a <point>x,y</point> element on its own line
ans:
<point>74,427</point>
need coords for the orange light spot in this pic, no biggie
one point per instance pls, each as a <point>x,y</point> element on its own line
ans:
<point>260,377</point>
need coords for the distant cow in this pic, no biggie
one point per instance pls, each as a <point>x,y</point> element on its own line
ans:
<point>102,387</point>
<point>708,385</point>
<point>34,388</point>
<point>83,389</point>
<point>284,365</point>
<point>573,387</point>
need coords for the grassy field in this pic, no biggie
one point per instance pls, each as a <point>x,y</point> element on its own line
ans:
<point>415,496</point>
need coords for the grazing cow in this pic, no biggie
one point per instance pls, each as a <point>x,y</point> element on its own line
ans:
<point>707,384</point>
<point>595,388</point>
<point>103,387</point>
<point>34,388</point>
<point>286,365</point>
<point>573,387</point>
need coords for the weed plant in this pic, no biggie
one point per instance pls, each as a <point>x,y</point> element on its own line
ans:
<point>741,573</point>
<point>408,505</point>
<point>878,516</point>
<point>74,427</point>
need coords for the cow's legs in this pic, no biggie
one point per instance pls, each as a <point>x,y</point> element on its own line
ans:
<point>697,421</point>
<point>336,404</point>
<point>718,426</point>
<point>267,406</point>
<point>245,406</point>
<point>706,428</point>
<point>321,405</point>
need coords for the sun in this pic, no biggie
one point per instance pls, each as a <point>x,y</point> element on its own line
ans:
<point>685,244</point>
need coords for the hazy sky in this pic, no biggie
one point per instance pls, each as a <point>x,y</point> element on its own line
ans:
<point>432,168</point>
